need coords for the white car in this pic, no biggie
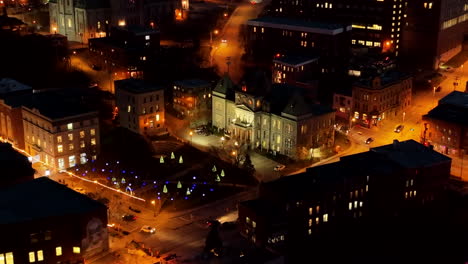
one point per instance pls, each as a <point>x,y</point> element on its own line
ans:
<point>80,190</point>
<point>279,167</point>
<point>148,229</point>
<point>224,41</point>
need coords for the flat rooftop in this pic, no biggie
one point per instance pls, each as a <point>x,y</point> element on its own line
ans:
<point>317,27</point>
<point>387,79</point>
<point>295,61</point>
<point>42,198</point>
<point>455,98</point>
<point>8,85</point>
<point>411,154</point>
<point>192,83</point>
<point>136,86</point>
<point>449,114</point>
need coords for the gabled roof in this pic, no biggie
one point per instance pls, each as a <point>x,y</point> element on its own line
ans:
<point>42,198</point>
<point>225,85</point>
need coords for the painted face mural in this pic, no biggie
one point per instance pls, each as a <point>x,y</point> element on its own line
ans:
<point>96,237</point>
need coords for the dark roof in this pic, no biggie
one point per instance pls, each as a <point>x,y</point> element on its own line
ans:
<point>225,85</point>
<point>411,154</point>
<point>137,29</point>
<point>91,4</point>
<point>295,61</point>
<point>298,106</point>
<point>386,79</point>
<point>136,86</point>
<point>297,22</point>
<point>455,98</point>
<point>42,198</point>
<point>52,104</point>
<point>14,166</point>
<point>449,113</point>
<point>6,21</point>
<point>193,83</point>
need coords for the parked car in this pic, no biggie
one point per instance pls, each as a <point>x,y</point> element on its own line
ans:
<point>369,140</point>
<point>279,167</point>
<point>129,217</point>
<point>399,128</point>
<point>80,190</point>
<point>148,229</point>
<point>134,209</point>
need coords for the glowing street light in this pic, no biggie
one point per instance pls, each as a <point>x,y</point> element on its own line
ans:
<point>191,137</point>
<point>222,141</point>
<point>153,202</point>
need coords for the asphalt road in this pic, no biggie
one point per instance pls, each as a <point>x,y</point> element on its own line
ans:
<point>231,51</point>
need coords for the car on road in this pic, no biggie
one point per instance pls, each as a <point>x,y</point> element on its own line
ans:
<point>279,167</point>
<point>129,218</point>
<point>369,140</point>
<point>224,41</point>
<point>80,190</point>
<point>399,128</point>
<point>148,229</point>
<point>359,133</point>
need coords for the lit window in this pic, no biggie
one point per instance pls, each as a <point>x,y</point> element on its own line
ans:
<point>247,220</point>
<point>317,220</point>
<point>310,231</point>
<point>157,117</point>
<point>60,148</point>
<point>310,222</point>
<point>70,136</point>
<point>430,5</point>
<point>411,182</point>
<point>70,147</point>
<point>82,134</point>
<point>58,251</point>
<point>311,210</point>
<point>92,132</point>
<point>9,258</point>
<point>414,193</point>
<point>147,37</point>
<point>353,41</point>
<point>254,224</point>
<point>70,126</point>
<point>350,206</point>
<point>71,161</point>
<point>263,30</point>
<point>93,142</point>
<point>129,108</point>
<point>40,255</point>
<point>325,218</point>
<point>355,204</point>
<point>254,29</point>
<point>82,144</point>
<point>360,204</point>
<point>32,257</point>
<point>406,195</point>
<point>367,188</point>
<point>59,139</point>
<point>76,250</point>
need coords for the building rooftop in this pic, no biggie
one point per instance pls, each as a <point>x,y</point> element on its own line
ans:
<point>51,104</point>
<point>40,199</point>
<point>136,86</point>
<point>411,154</point>
<point>137,30</point>
<point>193,83</point>
<point>386,79</point>
<point>11,86</point>
<point>265,208</point>
<point>299,25</point>
<point>455,98</point>
<point>295,61</point>
<point>449,114</point>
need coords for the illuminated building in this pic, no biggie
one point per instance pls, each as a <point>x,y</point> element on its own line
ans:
<point>347,205</point>
<point>280,120</point>
<point>79,20</point>
<point>58,130</point>
<point>376,24</point>
<point>380,97</point>
<point>46,222</point>
<point>434,32</point>
<point>192,98</point>
<point>141,106</point>
<point>445,126</point>
<point>269,37</point>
